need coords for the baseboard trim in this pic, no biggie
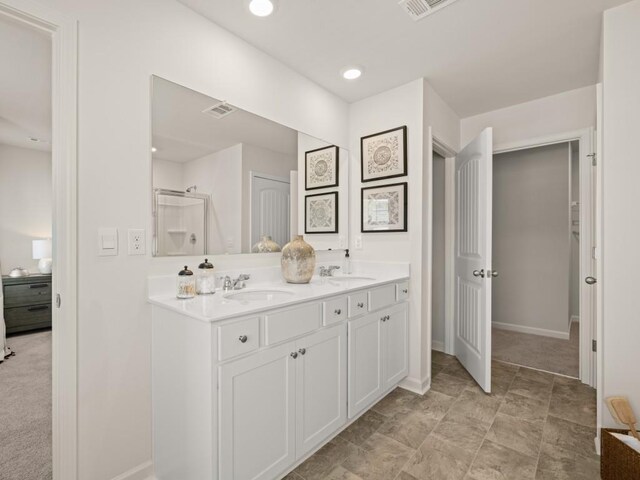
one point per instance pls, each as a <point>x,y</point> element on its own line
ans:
<point>437,345</point>
<point>415,385</point>
<point>144,471</point>
<point>575,318</point>
<point>532,330</point>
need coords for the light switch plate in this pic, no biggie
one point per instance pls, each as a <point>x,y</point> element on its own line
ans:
<point>358,242</point>
<point>136,241</point>
<point>107,242</point>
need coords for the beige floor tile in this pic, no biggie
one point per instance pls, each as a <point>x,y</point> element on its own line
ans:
<point>437,459</point>
<point>449,385</point>
<point>531,388</point>
<point>557,463</point>
<point>497,462</point>
<point>435,404</point>
<point>410,428</point>
<point>462,434</point>
<point>405,476</point>
<point>326,459</point>
<point>537,375</point>
<point>474,407</point>
<point>292,476</point>
<point>439,358</point>
<point>517,434</point>
<point>380,458</point>
<point>397,401</point>
<point>341,473</point>
<point>524,407</point>
<point>569,436</point>
<point>574,401</point>
<point>360,430</point>
<point>455,369</point>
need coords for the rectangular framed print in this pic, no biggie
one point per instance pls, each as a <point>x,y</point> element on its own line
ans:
<point>384,208</point>
<point>384,155</point>
<point>321,213</point>
<point>322,168</point>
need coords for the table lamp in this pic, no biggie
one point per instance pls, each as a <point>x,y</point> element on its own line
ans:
<point>42,252</point>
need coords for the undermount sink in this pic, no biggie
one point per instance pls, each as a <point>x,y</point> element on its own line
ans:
<point>348,278</point>
<point>259,295</point>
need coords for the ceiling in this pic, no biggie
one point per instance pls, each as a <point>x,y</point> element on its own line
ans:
<point>181,132</point>
<point>25,85</point>
<point>479,55</point>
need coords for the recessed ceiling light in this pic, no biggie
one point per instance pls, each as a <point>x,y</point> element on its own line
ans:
<point>351,73</point>
<point>261,8</point>
<point>154,149</point>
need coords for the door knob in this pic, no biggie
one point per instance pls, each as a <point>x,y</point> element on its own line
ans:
<point>478,273</point>
<point>590,280</point>
<point>492,273</point>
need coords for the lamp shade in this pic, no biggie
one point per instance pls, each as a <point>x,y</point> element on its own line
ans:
<point>41,249</point>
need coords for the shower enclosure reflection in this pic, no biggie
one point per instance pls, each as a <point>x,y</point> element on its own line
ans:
<point>181,222</point>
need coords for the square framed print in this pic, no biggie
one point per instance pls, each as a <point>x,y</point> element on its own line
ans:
<point>321,213</point>
<point>322,167</point>
<point>384,155</point>
<point>384,208</point>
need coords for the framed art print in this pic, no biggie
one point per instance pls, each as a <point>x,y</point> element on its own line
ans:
<point>384,208</point>
<point>321,168</point>
<point>321,213</point>
<point>384,155</point>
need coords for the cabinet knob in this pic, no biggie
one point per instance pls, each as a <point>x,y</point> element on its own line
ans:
<point>405,290</point>
<point>302,351</point>
<point>337,311</point>
<point>360,304</point>
<point>294,355</point>
<point>385,318</point>
<point>243,338</point>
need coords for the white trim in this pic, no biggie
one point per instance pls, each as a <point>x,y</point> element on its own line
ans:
<point>64,78</point>
<point>144,471</point>
<point>416,386</point>
<point>599,313</point>
<point>437,345</point>
<point>543,332</point>
<point>554,139</point>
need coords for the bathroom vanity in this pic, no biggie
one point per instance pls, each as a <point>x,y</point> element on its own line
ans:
<point>248,384</point>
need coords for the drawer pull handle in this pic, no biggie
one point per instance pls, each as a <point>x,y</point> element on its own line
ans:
<point>39,285</point>
<point>385,318</point>
<point>243,339</point>
<point>405,290</point>
<point>302,351</point>
<point>294,355</point>
<point>360,304</point>
<point>38,308</point>
<point>337,311</point>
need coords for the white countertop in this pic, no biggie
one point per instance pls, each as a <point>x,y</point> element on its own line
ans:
<point>211,308</point>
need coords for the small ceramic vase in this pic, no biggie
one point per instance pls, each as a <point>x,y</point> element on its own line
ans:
<point>266,245</point>
<point>298,261</point>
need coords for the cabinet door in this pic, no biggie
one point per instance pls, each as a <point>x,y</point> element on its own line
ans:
<point>365,362</point>
<point>257,415</point>
<point>395,365</point>
<point>321,386</point>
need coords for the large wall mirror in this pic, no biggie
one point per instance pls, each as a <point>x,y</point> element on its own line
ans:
<point>227,181</point>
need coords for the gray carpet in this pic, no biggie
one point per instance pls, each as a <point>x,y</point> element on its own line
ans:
<point>535,351</point>
<point>25,408</point>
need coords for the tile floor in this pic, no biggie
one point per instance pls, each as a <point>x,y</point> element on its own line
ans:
<point>535,351</point>
<point>534,425</point>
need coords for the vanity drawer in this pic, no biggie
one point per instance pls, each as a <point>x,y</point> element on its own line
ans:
<point>335,310</point>
<point>358,303</point>
<point>238,337</point>
<point>402,291</point>
<point>382,297</point>
<point>292,323</point>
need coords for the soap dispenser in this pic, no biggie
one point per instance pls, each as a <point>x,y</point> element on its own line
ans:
<point>346,268</point>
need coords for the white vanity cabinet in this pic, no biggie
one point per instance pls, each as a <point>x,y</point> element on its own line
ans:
<point>250,397</point>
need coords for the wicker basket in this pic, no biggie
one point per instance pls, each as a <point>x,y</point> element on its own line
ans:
<point>618,461</point>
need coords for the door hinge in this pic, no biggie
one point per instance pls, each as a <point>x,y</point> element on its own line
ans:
<point>594,158</point>
<point>58,300</point>
<point>594,345</point>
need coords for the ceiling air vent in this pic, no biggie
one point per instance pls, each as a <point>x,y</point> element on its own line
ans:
<point>219,110</point>
<point>418,9</point>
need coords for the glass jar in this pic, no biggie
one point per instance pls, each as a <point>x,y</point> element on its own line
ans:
<point>186,284</point>
<point>205,281</point>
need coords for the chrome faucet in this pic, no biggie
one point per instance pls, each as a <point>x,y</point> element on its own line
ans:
<point>237,284</point>
<point>328,271</point>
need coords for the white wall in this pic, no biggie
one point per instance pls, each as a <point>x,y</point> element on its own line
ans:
<point>25,204</point>
<point>168,175</point>
<point>566,112</point>
<point>260,160</point>
<point>531,240</point>
<point>121,44</point>
<point>621,173</point>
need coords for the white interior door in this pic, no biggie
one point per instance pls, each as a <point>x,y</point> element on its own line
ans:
<point>473,270</point>
<point>270,208</point>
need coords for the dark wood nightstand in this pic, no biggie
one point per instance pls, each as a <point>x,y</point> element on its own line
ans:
<point>27,302</point>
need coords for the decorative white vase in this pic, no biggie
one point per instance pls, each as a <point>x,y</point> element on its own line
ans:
<point>266,245</point>
<point>298,261</point>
